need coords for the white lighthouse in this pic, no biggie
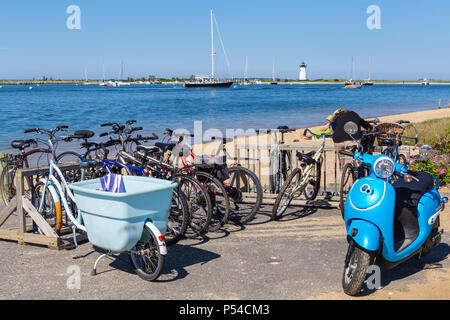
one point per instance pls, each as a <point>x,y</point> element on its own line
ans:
<point>302,73</point>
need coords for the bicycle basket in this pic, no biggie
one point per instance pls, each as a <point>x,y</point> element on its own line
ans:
<point>386,128</point>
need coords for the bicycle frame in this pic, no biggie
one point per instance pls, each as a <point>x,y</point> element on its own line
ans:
<point>55,188</point>
<point>307,171</point>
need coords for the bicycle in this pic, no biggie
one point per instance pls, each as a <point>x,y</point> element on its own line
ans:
<point>300,177</point>
<point>393,140</point>
<point>280,162</point>
<point>207,175</point>
<point>240,184</point>
<point>22,160</point>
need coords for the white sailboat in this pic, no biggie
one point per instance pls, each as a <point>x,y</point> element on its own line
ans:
<point>209,81</point>
<point>273,74</point>
<point>351,84</point>
<point>246,81</point>
<point>369,82</point>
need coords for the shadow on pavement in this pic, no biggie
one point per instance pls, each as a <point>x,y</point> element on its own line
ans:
<point>412,266</point>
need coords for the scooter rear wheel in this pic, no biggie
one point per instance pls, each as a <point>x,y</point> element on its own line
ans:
<point>355,272</point>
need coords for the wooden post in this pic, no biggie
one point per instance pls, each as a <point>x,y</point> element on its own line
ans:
<point>19,206</point>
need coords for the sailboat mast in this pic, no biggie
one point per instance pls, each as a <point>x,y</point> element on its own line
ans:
<point>273,70</point>
<point>212,46</point>
<point>352,69</point>
<point>246,68</point>
<point>103,69</point>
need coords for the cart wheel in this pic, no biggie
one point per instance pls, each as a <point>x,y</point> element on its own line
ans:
<point>146,257</point>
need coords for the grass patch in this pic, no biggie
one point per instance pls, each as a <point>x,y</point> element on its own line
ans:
<point>428,130</point>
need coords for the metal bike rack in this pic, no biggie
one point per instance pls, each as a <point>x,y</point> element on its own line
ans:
<point>330,179</point>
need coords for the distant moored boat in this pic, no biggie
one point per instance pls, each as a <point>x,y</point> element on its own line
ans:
<point>209,81</point>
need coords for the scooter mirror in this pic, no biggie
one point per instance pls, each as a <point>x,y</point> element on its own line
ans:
<point>351,128</point>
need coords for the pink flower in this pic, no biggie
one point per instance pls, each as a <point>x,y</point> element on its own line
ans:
<point>442,171</point>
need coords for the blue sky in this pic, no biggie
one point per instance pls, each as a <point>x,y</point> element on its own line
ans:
<point>172,38</point>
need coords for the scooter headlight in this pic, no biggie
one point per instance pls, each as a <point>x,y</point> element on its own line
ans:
<point>384,167</point>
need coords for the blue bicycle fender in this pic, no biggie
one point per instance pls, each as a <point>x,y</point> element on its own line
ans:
<point>365,234</point>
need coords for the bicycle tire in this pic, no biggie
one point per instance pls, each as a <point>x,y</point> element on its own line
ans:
<point>277,179</point>
<point>51,210</point>
<point>277,214</point>
<point>311,194</point>
<point>199,204</point>
<point>219,200</point>
<point>179,218</point>
<point>236,192</point>
<point>7,188</point>
<point>156,259</point>
<point>68,154</point>
<point>348,175</point>
<point>71,157</point>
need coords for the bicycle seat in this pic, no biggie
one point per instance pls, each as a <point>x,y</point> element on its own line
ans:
<point>21,144</point>
<point>165,146</point>
<point>148,149</point>
<point>306,157</point>
<point>387,142</point>
<point>83,134</point>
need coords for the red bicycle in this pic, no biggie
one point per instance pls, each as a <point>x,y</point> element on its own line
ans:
<point>235,192</point>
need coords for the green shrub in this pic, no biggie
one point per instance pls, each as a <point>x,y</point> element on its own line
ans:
<point>441,171</point>
<point>442,143</point>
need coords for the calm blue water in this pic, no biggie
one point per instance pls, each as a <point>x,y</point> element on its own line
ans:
<point>160,106</point>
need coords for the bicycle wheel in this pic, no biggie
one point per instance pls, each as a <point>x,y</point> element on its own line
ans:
<point>199,204</point>
<point>146,257</point>
<point>348,178</point>
<point>179,218</point>
<point>245,194</point>
<point>51,209</point>
<point>219,200</point>
<point>281,171</point>
<point>284,198</point>
<point>68,157</point>
<point>313,186</point>
<point>7,187</point>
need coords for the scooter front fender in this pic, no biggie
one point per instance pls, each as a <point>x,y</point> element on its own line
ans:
<point>365,234</point>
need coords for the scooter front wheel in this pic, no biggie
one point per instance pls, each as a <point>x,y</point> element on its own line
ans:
<point>355,271</point>
<point>146,257</point>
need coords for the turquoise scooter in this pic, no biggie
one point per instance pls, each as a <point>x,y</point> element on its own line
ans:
<point>391,215</point>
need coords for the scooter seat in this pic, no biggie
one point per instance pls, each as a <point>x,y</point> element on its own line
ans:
<point>409,193</point>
